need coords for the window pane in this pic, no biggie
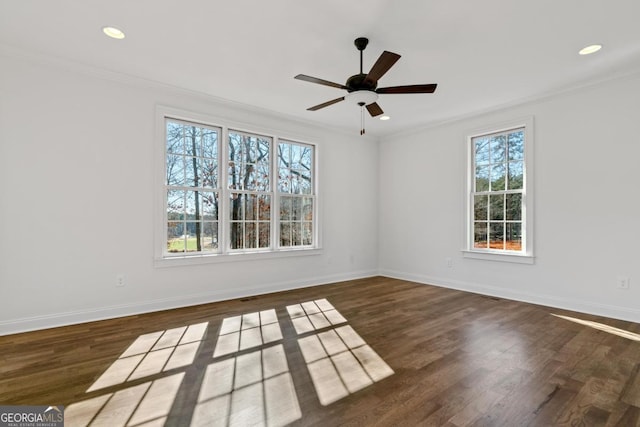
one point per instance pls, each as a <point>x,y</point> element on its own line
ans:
<point>307,208</point>
<point>296,234</point>
<point>175,169</point>
<point>285,234</point>
<point>514,236</point>
<point>482,178</point>
<point>284,180</point>
<point>210,145</point>
<point>285,208</point>
<point>236,235</point>
<point>498,177</point>
<point>175,140</point>
<point>514,206</point>
<point>296,208</point>
<point>480,207</point>
<point>480,235</point>
<point>236,206</point>
<point>294,168</point>
<point>251,206</point>
<point>250,235</point>
<point>193,205</point>
<point>300,182</point>
<point>191,140</point>
<point>496,207</point>
<point>175,236</point>
<point>264,208</point>
<point>248,162</point>
<point>192,172</point>
<point>209,173</point>
<point>516,145</point>
<point>209,211</point>
<point>264,234</point>
<point>192,236</point>
<point>209,236</point>
<point>496,235</point>
<point>516,174</point>
<point>175,204</point>
<point>307,233</point>
<point>481,147</point>
<point>498,145</point>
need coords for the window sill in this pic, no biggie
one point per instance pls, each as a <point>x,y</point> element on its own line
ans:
<point>503,257</point>
<point>177,261</point>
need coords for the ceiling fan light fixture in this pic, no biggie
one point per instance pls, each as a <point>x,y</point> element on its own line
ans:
<point>362,97</point>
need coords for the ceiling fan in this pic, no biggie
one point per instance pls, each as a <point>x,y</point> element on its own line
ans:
<point>363,88</point>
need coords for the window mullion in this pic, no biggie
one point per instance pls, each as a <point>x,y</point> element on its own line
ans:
<point>223,214</point>
<point>275,198</point>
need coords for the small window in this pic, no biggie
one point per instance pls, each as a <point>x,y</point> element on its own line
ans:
<point>499,207</point>
<point>296,193</point>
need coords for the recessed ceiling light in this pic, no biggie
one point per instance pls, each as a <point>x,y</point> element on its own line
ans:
<point>385,118</point>
<point>590,49</point>
<point>113,32</point>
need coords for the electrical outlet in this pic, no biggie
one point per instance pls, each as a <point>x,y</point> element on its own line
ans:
<point>450,262</point>
<point>120,280</point>
<point>623,282</point>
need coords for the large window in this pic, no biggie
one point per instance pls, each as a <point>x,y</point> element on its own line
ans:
<point>499,197</point>
<point>227,191</point>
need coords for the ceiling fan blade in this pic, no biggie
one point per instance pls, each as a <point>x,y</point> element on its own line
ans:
<point>382,65</point>
<point>325,104</point>
<point>319,81</point>
<point>374,109</point>
<point>429,88</point>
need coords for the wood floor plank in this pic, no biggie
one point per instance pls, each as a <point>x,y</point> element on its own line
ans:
<point>454,359</point>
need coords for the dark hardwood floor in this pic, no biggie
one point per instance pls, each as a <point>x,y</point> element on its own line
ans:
<point>457,359</point>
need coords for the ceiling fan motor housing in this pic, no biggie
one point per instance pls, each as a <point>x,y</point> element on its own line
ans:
<point>360,82</point>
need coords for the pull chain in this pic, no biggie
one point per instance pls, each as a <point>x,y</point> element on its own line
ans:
<point>361,117</point>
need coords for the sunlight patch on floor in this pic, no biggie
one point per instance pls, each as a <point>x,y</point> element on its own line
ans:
<point>602,327</point>
<point>253,388</point>
<point>144,404</point>
<point>310,316</point>
<point>153,353</point>
<point>340,362</point>
<point>248,382</point>
<point>247,331</point>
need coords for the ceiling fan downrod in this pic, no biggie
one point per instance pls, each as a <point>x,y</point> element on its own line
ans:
<point>361,43</point>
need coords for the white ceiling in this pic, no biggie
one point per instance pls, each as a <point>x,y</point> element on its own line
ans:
<point>483,54</point>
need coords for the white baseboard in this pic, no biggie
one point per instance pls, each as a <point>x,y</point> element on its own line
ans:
<point>581,306</point>
<point>13,326</point>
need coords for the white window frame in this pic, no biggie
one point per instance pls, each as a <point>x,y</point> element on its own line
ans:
<point>270,192</point>
<point>278,194</point>
<point>526,256</point>
<point>162,258</point>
